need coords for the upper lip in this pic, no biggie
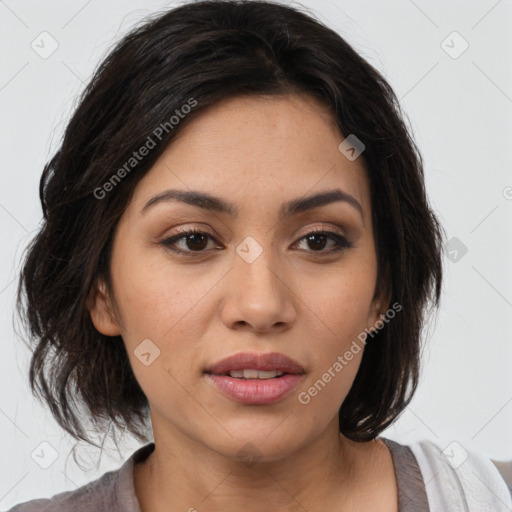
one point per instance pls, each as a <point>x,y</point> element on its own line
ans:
<point>255,361</point>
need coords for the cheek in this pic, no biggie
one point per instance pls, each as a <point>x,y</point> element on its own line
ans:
<point>337,307</point>
<point>165,304</point>
<point>155,296</point>
<point>321,396</point>
<point>339,303</point>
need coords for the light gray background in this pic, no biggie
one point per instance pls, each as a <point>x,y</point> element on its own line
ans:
<point>460,111</point>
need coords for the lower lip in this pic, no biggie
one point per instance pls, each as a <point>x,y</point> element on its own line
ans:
<point>255,391</point>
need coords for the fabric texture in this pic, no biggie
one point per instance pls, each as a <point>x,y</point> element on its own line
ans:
<point>114,491</point>
<point>412,496</point>
<point>461,480</point>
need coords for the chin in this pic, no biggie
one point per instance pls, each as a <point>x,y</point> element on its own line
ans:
<point>252,444</point>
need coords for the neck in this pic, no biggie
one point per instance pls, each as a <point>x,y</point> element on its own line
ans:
<point>186,474</point>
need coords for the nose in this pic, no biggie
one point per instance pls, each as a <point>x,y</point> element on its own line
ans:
<point>258,296</point>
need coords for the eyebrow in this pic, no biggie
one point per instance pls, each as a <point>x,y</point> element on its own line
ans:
<point>208,202</point>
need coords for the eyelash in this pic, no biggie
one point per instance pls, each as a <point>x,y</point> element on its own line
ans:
<point>341,242</point>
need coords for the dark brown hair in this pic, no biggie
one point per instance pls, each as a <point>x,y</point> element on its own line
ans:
<point>208,51</point>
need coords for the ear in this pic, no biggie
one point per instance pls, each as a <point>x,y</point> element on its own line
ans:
<point>379,305</point>
<point>102,312</point>
<point>378,308</point>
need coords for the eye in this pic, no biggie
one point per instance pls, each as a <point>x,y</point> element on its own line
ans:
<point>195,241</point>
<point>318,238</point>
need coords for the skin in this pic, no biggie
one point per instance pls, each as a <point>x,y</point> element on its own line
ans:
<point>256,152</point>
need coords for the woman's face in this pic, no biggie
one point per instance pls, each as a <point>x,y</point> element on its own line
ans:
<point>254,281</point>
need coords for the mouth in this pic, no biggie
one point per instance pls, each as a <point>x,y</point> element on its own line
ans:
<point>248,374</point>
<point>255,379</point>
<point>252,365</point>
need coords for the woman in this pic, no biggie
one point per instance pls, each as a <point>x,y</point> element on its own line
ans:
<point>238,247</point>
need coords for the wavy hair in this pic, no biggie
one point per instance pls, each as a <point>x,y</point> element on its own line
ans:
<point>211,50</point>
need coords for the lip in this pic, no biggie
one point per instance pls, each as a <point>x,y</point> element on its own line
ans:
<point>255,361</point>
<point>256,391</point>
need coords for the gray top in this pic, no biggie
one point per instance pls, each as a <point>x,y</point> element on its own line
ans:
<point>114,491</point>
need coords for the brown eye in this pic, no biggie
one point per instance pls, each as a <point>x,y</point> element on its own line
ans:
<point>192,241</point>
<point>318,239</point>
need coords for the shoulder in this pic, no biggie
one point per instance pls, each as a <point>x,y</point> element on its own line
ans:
<point>89,497</point>
<point>505,469</point>
<point>113,491</point>
<point>456,474</point>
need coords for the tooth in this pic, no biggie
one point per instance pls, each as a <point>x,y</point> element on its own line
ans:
<point>267,374</point>
<point>255,374</point>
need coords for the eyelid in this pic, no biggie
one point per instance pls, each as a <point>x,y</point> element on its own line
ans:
<point>341,241</point>
<point>306,231</point>
<point>183,232</point>
<point>322,227</point>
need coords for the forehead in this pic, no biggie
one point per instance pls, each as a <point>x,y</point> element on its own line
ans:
<point>258,148</point>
